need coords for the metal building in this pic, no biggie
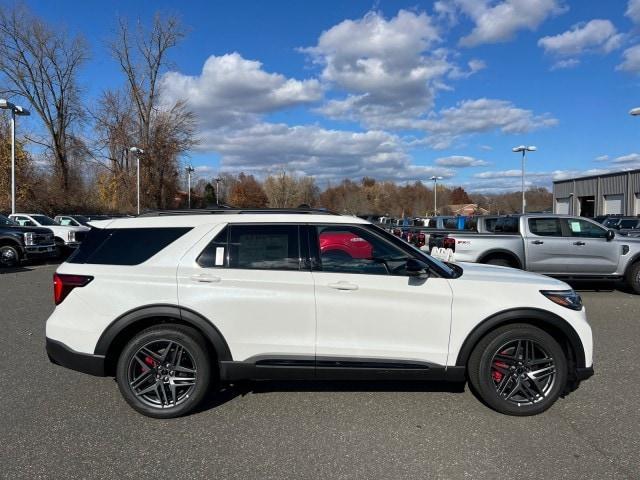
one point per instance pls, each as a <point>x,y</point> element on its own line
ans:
<point>611,193</point>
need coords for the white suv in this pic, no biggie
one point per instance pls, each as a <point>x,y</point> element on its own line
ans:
<point>172,302</point>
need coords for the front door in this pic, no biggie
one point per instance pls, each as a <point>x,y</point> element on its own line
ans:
<point>368,309</point>
<point>546,248</point>
<point>248,280</point>
<point>589,250</point>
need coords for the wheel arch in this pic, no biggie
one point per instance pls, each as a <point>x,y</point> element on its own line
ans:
<point>118,333</point>
<point>500,252</point>
<point>559,328</point>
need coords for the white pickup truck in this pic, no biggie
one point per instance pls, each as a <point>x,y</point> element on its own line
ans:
<point>65,236</point>
<point>556,245</point>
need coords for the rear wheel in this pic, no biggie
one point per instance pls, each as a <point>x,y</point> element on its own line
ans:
<point>9,256</point>
<point>518,370</point>
<point>164,371</point>
<point>633,277</point>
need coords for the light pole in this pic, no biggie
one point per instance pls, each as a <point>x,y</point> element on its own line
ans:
<point>137,152</point>
<point>634,111</point>
<point>189,170</point>
<point>15,110</point>
<point>435,193</point>
<point>218,180</point>
<point>524,150</point>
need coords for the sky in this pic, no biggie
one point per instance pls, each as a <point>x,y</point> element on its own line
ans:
<point>393,90</point>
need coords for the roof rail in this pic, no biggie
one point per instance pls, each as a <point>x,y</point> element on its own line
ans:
<point>235,211</point>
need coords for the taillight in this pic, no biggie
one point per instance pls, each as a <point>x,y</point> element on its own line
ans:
<point>449,243</point>
<point>63,284</point>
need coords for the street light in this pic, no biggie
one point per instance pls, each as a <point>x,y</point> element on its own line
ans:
<point>189,170</point>
<point>15,110</point>
<point>435,193</point>
<point>524,151</point>
<point>137,152</point>
<point>634,111</point>
<point>218,180</point>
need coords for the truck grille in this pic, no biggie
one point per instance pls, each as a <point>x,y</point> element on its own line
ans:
<point>43,239</point>
<point>80,236</point>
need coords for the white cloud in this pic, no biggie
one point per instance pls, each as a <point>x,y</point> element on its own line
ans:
<point>473,65</point>
<point>481,115</point>
<point>383,67</point>
<point>633,10</point>
<point>234,91</point>
<point>594,36</point>
<point>602,158</point>
<point>631,60</point>
<point>515,173</point>
<point>630,158</point>
<point>499,21</point>
<point>312,150</point>
<point>460,161</point>
<point>566,63</point>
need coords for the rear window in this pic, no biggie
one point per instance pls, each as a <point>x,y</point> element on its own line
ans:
<point>507,225</point>
<point>124,246</point>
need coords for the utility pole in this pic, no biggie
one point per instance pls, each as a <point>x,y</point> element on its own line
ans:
<point>189,170</point>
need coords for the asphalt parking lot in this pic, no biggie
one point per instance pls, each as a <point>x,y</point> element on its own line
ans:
<point>55,423</point>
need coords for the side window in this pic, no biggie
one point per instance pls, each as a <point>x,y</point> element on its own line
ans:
<point>351,249</point>
<point>583,228</point>
<point>507,225</point>
<point>264,247</point>
<point>545,227</point>
<point>451,223</point>
<point>215,254</point>
<point>124,246</point>
<point>65,221</point>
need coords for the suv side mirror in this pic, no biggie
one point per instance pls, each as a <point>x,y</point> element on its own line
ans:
<point>416,268</point>
<point>610,235</point>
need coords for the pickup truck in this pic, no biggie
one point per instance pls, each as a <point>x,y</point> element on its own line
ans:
<point>65,236</point>
<point>556,245</point>
<point>23,243</point>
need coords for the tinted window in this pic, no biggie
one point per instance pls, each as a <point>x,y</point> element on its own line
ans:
<point>546,227</point>
<point>583,228</point>
<point>264,247</point>
<point>628,223</point>
<point>507,225</point>
<point>124,246</point>
<point>6,221</point>
<point>43,220</point>
<point>350,249</point>
<point>215,254</point>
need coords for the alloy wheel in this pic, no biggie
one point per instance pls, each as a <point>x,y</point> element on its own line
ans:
<point>162,374</point>
<point>8,256</point>
<point>523,372</point>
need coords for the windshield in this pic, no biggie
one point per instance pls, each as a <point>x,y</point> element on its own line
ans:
<point>81,219</point>
<point>43,220</point>
<point>6,221</point>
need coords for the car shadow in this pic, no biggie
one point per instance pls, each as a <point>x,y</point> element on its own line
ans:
<point>599,286</point>
<point>226,393</point>
<point>19,269</point>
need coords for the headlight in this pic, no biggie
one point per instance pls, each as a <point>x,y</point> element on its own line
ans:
<point>72,236</point>
<point>28,238</point>
<point>565,298</point>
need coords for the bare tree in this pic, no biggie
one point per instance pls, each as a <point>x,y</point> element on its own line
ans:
<point>162,131</point>
<point>41,64</point>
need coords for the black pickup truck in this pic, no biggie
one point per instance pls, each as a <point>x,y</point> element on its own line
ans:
<point>18,243</point>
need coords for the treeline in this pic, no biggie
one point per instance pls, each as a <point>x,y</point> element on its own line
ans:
<point>365,197</point>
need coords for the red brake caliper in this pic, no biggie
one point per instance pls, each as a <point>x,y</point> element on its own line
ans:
<point>495,374</point>
<point>149,361</point>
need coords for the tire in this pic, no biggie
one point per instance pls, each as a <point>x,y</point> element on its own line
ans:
<point>491,368</point>
<point>633,278</point>
<point>60,249</point>
<point>164,390</point>
<point>500,262</point>
<point>9,256</point>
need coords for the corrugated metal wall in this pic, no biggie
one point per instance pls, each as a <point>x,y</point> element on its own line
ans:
<point>623,183</point>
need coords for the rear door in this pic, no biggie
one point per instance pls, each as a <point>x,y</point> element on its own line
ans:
<point>251,282</point>
<point>589,251</point>
<point>546,247</point>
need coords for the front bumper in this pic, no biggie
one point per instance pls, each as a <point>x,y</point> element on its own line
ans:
<point>64,356</point>
<point>39,251</point>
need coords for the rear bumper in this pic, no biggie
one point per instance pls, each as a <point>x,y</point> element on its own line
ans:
<point>64,356</point>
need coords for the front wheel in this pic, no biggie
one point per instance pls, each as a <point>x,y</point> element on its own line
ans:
<point>164,371</point>
<point>9,256</point>
<point>518,370</point>
<point>633,278</point>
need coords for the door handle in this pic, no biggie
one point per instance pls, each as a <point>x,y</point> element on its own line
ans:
<point>579,243</point>
<point>537,242</point>
<point>343,286</point>
<point>205,278</point>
